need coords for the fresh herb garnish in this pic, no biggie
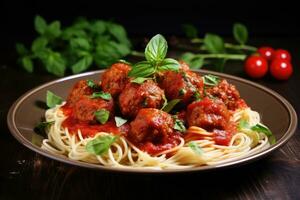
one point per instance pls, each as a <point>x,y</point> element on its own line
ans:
<point>214,50</point>
<point>198,150</point>
<point>100,145</point>
<point>52,100</point>
<point>92,84</point>
<point>76,47</point>
<point>139,80</point>
<point>102,95</point>
<point>197,96</point>
<point>211,80</point>
<point>181,92</point>
<point>155,53</point>
<point>120,121</point>
<point>262,129</point>
<point>41,127</point>
<point>243,124</point>
<point>102,116</point>
<point>170,105</point>
<point>179,125</point>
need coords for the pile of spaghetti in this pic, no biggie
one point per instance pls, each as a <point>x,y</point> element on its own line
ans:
<point>169,118</point>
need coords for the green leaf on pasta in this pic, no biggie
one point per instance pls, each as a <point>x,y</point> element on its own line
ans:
<point>102,115</point>
<point>120,121</point>
<point>100,145</point>
<point>52,99</point>
<point>193,145</point>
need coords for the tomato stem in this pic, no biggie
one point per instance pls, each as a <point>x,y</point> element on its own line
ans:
<point>226,56</point>
<point>137,53</point>
<point>228,45</point>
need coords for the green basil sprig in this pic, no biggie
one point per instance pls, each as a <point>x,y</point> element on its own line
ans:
<point>260,128</point>
<point>41,127</point>
<point>155,53</point>
<point>170,105</point>
<point>120,121</point>
<point>193,145</point>
<point>211,80</point>
<point>102,115</point>
<point>101,94</point>
<point>100,145</point>
<point>52,99</point>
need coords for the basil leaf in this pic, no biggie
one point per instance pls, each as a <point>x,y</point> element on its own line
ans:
<point>156,49</point>
<point>142,69</point>
<point>243,124</point>
<point>190,30</point>
<point>52,100</point>
<point>211,80</point>
<point>54,62</point>
<point>41,127</point>
<point>262,129</point>
<point>98,27</point>
<point>53,30</point>
<point>139,80</point>
<point>100,145</point>
<point>39,44</point>
<point>27,64</point>
<point>124,61</point>
<point>103,95</point>
<point>83,64</point>
<point>198,150</point>
<point>40,24</point>
<point>92,84</point>
<point>214,43</point>
<point>194,61</point>
<point>120,121</point>
<point>169,64</point>
<point>102,115</point>
<point>240,33</point>
<point>81,43</point>
<point>171,104</point>
<point>197,96</point>
<point>21,49</point>
<point>179,126</point>
<point>119,33</point>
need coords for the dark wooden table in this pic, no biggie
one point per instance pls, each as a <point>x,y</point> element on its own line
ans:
<point>26,174</point>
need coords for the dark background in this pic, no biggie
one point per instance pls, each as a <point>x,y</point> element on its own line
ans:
<point>145,18</point>
<point>25,174</point>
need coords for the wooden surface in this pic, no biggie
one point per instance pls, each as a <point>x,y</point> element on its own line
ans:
<point>24,173</point>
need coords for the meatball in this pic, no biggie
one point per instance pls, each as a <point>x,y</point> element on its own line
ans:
<point>136,96</point>
<point>115,78</point>
<point>79,89</point>
<point>184,85</point>
<point>85,108</point>
<point>151,125</point>
<point>228,94</point>
<point>208,114</point>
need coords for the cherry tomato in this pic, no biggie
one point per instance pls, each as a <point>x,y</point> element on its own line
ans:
<point>281,69</point>
<point>281,54</point>
<point>266,52</point>
<point>256,66</point>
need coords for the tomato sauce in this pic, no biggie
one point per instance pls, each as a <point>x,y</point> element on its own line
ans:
<point>87,129</point>
<point>166,144</point>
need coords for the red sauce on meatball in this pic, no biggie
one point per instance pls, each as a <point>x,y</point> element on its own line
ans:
<point>85,108</point>
<point>208,114</point>
<point>79,89</point>
<point>228,94</point>
<point>87,128</point>
<point>182,85</point>
<point>115,78</point>
<point>136,96</point>
<point>152,131</point>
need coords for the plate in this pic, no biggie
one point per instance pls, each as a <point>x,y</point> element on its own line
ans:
<point>276,112</point>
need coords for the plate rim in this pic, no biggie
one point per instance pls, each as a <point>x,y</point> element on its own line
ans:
<point>279,143</point>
